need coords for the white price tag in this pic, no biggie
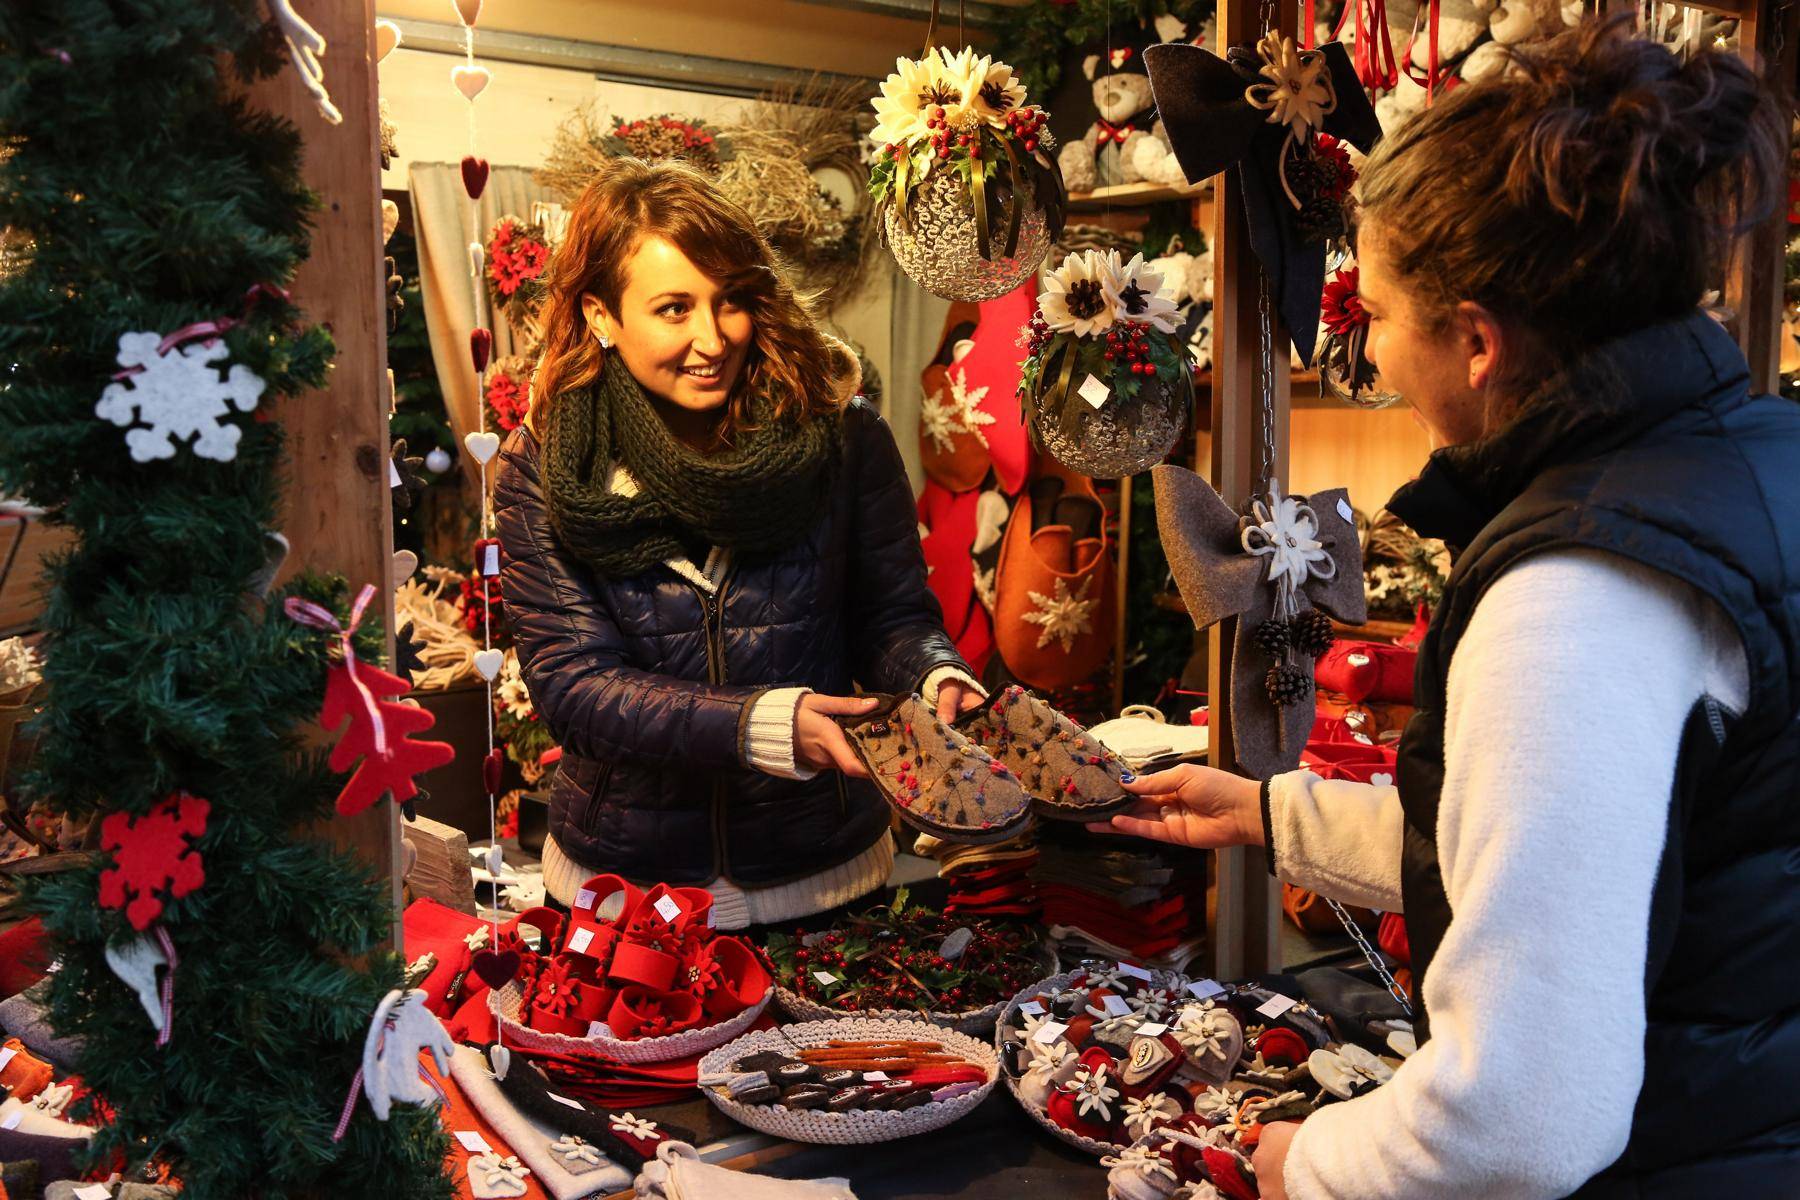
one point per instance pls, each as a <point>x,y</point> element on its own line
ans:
<point>393,482</point>
<point>1116,1006</point>
<point>667,909</point>
<point>490,563</point>
<point>6,1056</point>
<point>473,1142</point>
<point>1345,511</point>
<point>596,1029</point>
<point>874,1076</point>
<point>1135,972</point>
<point>1094,392</point>
<point>1049,1031</point>
<point>825,977</point>
<point>565,1100</point>
<point>582,939</point>
<point>584,899</point>
<point>93,1191</point>
<point>1030,1006</point>
<point>1152,1030</point>
<point>1274,1006</point>
<point>12,1119</point>
<point>1206,989</point>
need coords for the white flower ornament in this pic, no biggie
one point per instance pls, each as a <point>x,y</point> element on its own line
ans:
<point>636,1127</point>
<point>1092,1092</point>
<point>1286,531</point>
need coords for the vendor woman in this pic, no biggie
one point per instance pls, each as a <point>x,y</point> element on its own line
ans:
<point>1595,837</point>
<point>708,540</point>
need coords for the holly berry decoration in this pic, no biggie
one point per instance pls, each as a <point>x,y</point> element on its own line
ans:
<point>153,857</point>
<point>383,770</point>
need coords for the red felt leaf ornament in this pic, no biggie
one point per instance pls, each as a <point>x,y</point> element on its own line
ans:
<point>152,854</point>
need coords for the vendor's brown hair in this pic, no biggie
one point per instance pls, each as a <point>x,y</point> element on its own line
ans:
<point>1592,188</point>
<point>631,200</point>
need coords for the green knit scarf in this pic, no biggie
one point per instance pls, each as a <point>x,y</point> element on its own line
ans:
<point>762,495</point>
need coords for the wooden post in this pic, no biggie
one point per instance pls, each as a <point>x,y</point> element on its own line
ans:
<point>1755,283</point>
<point>335,508</point>
<point>1245,933</point>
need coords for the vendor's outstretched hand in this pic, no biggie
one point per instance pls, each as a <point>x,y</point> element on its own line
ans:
<point>1191,805</point>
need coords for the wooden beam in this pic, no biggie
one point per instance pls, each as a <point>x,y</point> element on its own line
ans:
<point>1245,934</point>
<point>335,508</point>
<point>1754,288</point>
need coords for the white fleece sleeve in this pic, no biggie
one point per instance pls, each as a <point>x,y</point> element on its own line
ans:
<point>937,677</point>
<point>1338,838</point>
<point>769,739</point>
<point>1567,700</point>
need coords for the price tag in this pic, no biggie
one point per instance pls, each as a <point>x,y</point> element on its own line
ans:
<point>1116,1006</point>
<point>393,482</point>
<point>596,1029</point>
<point>1274,1006</point>
<point>565,1100</point>
<point>825,977</point>
<point>1049,1031</point>
<point>1092,390</point>
<point>6,1056</point>
<point>874,1076</point>
<point>1345,511</point>
<point>12,1119</point>
<point>1206,989</point>
<point>584,899</point>
<point>1030,1006</point>
<point>667,909</point>
<point>490,562</point>
<point>1152,1030</point>
<point>1135,972</point>
<point>93,1191</point>
<point>582,939</point>
<point>473,1142</point>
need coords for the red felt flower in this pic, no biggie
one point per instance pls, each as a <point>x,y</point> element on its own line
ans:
<point>1335,172</point>
<point>1341,307</point>
<point>510,398</point>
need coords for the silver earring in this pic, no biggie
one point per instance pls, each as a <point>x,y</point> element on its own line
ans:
<point>605,342</point>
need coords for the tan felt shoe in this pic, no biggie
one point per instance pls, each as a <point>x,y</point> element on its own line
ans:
<point>936,779</point>
<point>1069,775</point>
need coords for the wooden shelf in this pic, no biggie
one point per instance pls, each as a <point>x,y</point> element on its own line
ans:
<point>1132,195</point>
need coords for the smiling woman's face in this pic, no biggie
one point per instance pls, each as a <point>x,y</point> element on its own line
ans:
<point>681,333</point>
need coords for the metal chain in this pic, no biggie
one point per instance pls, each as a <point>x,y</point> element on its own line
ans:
<point>1265,450</point>
<point>1372,954</point>
<point>1265,15</point>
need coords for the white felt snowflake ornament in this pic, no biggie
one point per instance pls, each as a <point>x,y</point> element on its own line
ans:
<point>492,1177</point>
<point>1063,617</point>
<point>180,396</point>
<point>951,410</point>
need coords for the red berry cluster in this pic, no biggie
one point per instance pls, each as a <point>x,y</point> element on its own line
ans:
<point>899,966</point>
<point>1025,124</point>
<point>1036,333</point>
<point>1129,349</point>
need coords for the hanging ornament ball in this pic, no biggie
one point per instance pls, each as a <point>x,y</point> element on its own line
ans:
<point>1122,438</point>
<point>474,175</point>
<point>470,81</point>
<point>1313,634</point>
<point>1272,638</point>
<point>438,461</point>
<point>936,243</point>
<point>1288,685</point>
<point>467,11</point>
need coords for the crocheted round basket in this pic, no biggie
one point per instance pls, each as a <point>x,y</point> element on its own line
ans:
<point>505,1002</point>
<point>856,1127</point>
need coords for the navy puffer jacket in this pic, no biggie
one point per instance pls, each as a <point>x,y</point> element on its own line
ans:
<point>647,682</point>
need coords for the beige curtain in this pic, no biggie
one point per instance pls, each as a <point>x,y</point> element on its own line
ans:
<point>917,323</point>
<point>442,225</point>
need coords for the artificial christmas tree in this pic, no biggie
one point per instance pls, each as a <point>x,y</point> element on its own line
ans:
<point>148,195</point>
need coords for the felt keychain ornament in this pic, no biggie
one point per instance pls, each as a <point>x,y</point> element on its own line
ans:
<point>153,856</point>
<point>380,730</point>
<point>135,962</point>
<point>391,1073</point>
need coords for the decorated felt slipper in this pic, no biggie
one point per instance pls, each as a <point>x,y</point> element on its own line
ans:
<point>937,779</point>
<point>1069,775</point>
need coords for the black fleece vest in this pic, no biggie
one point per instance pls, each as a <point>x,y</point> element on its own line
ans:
<point>1653,449</point>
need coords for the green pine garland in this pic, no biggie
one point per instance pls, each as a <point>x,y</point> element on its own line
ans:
<point>1037,35</point>
<point>150,199</point>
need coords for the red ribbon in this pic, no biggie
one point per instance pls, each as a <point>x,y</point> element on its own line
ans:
<point>1374,59</point>
<point>1433,73</point>
<point>212,330</point>
<point>307,613</point>
<point>168,987</point>
<point>1113,133</point>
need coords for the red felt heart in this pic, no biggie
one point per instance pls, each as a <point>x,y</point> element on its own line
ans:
<point>481,345</point>
<point>496,968</point>
<point>1282,1046</point>
<point>1229,1173</point>
<point>491,766</point>
<point>475,175</point>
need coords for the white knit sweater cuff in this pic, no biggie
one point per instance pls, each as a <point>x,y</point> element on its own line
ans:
<point>769,741</point>
<point>938,676</point>
<point>1338,838</point>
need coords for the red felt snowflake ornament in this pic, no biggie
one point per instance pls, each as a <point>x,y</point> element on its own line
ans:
<point>153,854</point>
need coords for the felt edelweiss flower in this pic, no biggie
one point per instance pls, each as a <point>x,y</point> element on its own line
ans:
<point>496,1171</point>
<point>1298,92</point>
<point>1144,1113</point>
<point>574,1150</point>
<point>1286,531</point>
<point>902,106</point>
<point>1047,1060</point>
<point>1138,294</point>
<point>1030,1023</point>
<point>1152,1004</point>
<point>1142,1160</point>
<point>635,1127</point>
<point>1076,299</point>
<point>1202,1030</point>
<point>1093,1094</point>
<point>1215,1102</point>
<point>1122,1023</point>
<point>478,939</point>
<point>511,688</point>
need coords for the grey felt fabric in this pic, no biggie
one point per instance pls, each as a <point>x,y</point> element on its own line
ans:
<point>22,1016</point>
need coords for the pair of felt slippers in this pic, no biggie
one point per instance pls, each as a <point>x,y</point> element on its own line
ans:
<point>980,778</point>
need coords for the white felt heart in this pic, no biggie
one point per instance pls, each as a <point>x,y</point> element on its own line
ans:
<point>1381,779</point>
<point>390,220</point>
<point>136,962</point>
<point>499,1059</point>
<point>387,36</point>
<point>482,446</point>
<point>467,11</point>
<point>496,861</point>
<point>488,662</point>
<point>405,563</point>
<point>470,81</point>
<point>477,257</point>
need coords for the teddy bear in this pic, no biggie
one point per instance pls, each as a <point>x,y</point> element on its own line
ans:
<point>1125,112</point>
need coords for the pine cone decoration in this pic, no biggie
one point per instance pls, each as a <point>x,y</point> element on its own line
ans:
<point>1312,634</point>
<point>1321,219</point>
<point>1272,638</point>
<point>1288,685</point>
